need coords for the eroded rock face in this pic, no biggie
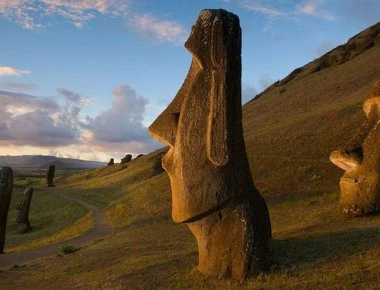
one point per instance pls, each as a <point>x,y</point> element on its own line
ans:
<point>212,187</point>
<point>22,219</point>
<point>360,184</point>
<point>50,176</point>
<point>111,162</point>
<point>126,159</point>
<point>6,187</point>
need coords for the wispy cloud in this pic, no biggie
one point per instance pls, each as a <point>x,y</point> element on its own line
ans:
<point>17,86</point>
<point>11,71</point>
<point>264,8</point>
<point>28,13</point>
<point>161,30</point>
<point>313,7</point>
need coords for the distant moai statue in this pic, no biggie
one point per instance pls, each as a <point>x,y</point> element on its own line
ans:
<point>6,187</point>
<point>126,159</point>
<point>111,162</point>
<point>212,187</point>
<point>140,155</point>
<point>23,207</point>
<point>50,176</point>
<point>360,158</point>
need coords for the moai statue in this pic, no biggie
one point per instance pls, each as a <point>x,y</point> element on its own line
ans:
<point>50,176</point>
<point>212,187</point>
<point>126,159</point>
<point>140,155</point>
<point>6,187</point>
<point>360,159</point>
<point>111,162</point>
<point>22,219</point>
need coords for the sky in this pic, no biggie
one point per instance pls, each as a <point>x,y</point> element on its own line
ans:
<point>84,78</point>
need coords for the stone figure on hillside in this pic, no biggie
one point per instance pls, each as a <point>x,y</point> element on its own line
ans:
<point>126,159</point>
<point>6,187</point>
<point>212,187</point>
<point>22,219</point>
<point>111,162</point>
<point>360,158</point>
<point>50,176</point>
<point>140,155</point>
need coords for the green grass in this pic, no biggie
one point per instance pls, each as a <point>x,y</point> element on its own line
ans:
<point>52,219</point>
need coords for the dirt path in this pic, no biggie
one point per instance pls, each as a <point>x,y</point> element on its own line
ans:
<point>100,230</point>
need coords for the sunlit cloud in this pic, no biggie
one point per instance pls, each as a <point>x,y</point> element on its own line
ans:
<point>313,7</point>
<point>264,8</point>
<point>161,30</point>
<point>11,71</point>
<point>29,13</point>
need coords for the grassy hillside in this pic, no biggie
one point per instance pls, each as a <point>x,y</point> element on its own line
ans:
<point>290,131</point>
<point>291,128</point>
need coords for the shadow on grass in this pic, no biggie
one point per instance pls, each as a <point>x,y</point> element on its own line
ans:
<point>297,251</point>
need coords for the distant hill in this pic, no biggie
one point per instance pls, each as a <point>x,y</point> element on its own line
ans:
<point>42,162</point>
<point>291,128</point>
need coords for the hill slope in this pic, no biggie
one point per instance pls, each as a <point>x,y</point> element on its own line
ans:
<point>291,128</point>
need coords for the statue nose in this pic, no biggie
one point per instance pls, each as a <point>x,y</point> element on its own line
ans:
<point>164,128</point>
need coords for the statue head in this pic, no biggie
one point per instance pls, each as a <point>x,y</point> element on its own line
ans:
<point>360,184</point>
<point>206,161</point>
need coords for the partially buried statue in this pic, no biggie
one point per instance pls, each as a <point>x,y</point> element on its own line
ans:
<point>360,184</point>
<point>212,187</point>
<point>6,187</point>
<point>50,176</point>
<point>23,207</point>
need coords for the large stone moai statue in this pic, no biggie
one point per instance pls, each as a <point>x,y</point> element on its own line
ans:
<point>22,219</point>
<point>50,176</point>
<point>6,187</point>
<point>111,162</point>
<point>360,158</point>
<point>212,187</point>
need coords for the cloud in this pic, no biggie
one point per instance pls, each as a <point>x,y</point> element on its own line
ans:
<point>265,9</point>
<point>11,71</point>
<point>74,98</point>
<point>35,121</point>
<point>161,30</point>
<point>312,7</point>
<point>28,13</point>
<point>17,86</point>
<point>265,81</point>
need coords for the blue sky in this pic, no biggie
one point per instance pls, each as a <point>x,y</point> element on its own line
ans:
<point>84,78</point>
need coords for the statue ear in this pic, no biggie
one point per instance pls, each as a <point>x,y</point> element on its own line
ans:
<point>217,151</point>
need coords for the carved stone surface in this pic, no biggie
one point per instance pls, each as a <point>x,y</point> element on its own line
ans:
<point>126,159</point>
<point>22,219</point>
<point>111,162</point>
<point>211,182</point>
<point>360,158</point>
<point>50,176</point>
<point>6,187</point>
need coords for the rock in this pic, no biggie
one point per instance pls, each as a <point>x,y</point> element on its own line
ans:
<point>360,159</point>
<point>211,182</point>
<point>6,187</point>
<point>111,162</point>
<point>50,176</point>
<point>126,159</point>
<point>140,155</point>
<point>23,207</point>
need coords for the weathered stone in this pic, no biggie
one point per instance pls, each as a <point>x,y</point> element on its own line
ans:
<point>126,159</point>
<point>211,182</point>
<point>111,162</point>
<point>6,187</point>
<point>23,207</point>
<point>360,158</point>
<point>50,176</point>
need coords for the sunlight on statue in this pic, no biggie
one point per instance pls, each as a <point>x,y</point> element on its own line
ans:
<point>211,182</point>
<point>360,185</point>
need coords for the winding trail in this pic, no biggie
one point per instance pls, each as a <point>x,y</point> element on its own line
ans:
<point>101,229</point>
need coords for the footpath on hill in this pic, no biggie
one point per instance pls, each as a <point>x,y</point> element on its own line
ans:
<point>101,229</point>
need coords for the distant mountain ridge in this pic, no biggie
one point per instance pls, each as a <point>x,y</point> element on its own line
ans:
<point>41,161</point>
